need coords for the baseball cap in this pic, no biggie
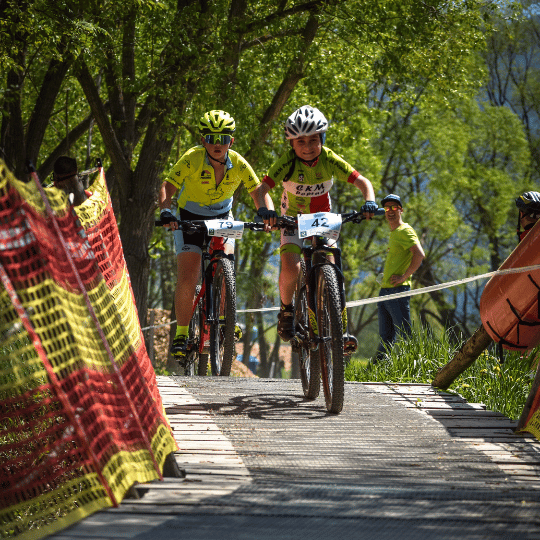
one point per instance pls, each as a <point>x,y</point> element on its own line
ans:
<point>392,197</point>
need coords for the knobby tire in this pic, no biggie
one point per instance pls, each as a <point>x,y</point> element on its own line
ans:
<point>331,338</point>
<point>196,360</point>
<point>222,330</point>
<point>310,367</point>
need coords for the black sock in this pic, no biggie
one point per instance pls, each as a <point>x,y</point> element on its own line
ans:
<point>286,307</point>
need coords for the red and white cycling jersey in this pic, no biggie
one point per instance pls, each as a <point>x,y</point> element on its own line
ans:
<point>307,189</point>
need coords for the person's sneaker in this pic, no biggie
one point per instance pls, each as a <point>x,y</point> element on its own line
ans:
<point>285,325</point>
<point>237,333</point>
<point>179,348</point>
<point>350,344</point>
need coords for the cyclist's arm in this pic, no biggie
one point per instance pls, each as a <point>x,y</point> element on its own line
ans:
<point>261,198</point>
<point>366,187</point>
<point>166,193</point>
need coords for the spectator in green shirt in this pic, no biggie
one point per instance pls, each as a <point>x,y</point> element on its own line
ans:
<point>405,255</point>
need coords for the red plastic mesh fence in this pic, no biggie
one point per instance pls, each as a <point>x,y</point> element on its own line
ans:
<point>81,418</point>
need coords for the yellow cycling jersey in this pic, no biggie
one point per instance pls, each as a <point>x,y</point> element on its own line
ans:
<point>194,177</point>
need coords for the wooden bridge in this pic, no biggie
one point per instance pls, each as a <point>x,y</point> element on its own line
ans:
<point>400,461</point>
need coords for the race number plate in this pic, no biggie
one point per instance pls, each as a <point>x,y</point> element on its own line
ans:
<point>319,224</point>
<point>226,229</point>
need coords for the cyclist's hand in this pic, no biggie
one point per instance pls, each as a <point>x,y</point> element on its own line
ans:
<point>269,216</point>
<point>167,219</point>
<point>369,209</point>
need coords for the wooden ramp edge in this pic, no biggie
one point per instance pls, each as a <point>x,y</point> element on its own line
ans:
<point>212,466</point>
<point>490,432</point>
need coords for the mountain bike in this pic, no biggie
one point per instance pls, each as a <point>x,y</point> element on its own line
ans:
<point>213,314</point>
<point>321,342</point>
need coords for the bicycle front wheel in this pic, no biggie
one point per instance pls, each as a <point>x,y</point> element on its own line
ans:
<point>331,338</point>
<point>222,329</point>
<point>196,361</point>
<point>310,366</point>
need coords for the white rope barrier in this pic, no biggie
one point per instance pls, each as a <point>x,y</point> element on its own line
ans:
<point>423,290</point>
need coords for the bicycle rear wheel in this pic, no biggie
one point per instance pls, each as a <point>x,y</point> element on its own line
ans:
<point>310,366</point>
<point>331,338</point>
<point>196,361</point>
<point>222,329</point>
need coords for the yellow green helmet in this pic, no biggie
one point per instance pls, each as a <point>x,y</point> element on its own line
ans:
<point>216,122</point>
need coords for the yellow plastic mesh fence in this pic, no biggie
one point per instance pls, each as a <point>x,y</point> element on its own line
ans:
<point>81,418</point>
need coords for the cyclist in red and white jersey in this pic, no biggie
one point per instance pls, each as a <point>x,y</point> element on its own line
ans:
<point>306,172</point>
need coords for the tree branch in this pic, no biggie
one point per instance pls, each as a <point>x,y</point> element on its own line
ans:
<point>114,149</point>
<point>293,76</point>
<point>52,82</point>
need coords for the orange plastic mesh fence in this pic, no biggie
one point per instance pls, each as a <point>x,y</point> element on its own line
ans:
<point>81,418</point>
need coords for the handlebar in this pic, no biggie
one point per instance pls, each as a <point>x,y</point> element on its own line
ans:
<point>283,222</point>
<point>194,226</point>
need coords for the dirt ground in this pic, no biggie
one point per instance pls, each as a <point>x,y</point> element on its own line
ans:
<point>161,345</point>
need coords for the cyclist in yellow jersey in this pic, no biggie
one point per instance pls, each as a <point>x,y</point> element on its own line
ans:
<point>307,172</point>
<point>205,178</point>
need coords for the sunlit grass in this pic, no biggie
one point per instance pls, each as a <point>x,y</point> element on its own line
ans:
<point>500,387</point>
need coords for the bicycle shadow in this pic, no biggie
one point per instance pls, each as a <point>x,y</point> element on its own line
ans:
<point>264,407</point>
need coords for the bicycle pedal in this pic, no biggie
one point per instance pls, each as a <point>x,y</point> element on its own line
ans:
<point>296,342</point>
<point>182,360</point>
<point>350,344</point>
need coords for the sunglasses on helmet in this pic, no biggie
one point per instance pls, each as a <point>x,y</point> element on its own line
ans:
<point>217,139</point>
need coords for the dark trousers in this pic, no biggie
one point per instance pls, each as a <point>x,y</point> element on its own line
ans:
<point>394,319</point>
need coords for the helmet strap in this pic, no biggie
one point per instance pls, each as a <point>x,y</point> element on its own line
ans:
<point>214,159</point>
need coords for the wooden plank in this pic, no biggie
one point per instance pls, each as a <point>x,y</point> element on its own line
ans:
<point>481,423</point>
<point>443,405</point>
<point>464,413</point>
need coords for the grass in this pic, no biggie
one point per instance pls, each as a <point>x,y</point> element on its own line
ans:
<point>501,387</point>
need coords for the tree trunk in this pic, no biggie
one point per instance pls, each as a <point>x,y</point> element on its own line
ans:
<point>274,359</point>
<point>465,357</point>
<point>263,346</point>
<point>172,364</point>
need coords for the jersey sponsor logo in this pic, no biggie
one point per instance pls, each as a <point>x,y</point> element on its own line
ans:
<point>206,174</point>
<point>301,178</point>
<point>309,190</point>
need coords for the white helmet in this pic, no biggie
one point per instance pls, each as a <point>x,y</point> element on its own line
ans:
<point>305,121</point>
